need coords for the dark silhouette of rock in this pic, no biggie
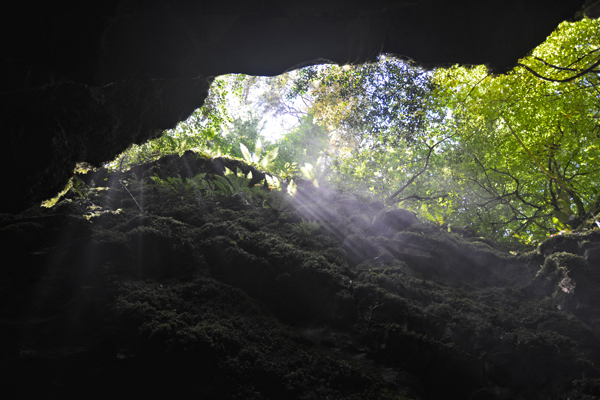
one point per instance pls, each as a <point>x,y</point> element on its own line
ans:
<point>252,294</point>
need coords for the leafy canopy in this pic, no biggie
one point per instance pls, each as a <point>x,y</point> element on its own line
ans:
<point>512,156</point>
<point>526,143</point>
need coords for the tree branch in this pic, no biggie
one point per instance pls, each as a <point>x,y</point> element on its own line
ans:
<point>583,72</point>
<point>554,66</point>
<point>578,202</point>
<point>411,180</point>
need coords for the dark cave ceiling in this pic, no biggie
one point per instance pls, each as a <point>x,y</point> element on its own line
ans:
<point>82,81</point>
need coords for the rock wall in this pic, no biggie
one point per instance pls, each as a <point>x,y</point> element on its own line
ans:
<point>82,81</point>
<point>249,294</point>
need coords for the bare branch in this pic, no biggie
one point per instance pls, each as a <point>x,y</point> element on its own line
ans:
<point>411,180</point>
<point>583,72</point>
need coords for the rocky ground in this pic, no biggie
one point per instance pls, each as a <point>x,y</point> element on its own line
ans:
<point>172,280</point>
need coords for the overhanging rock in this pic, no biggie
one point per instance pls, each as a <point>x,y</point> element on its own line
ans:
<point>82,81</point>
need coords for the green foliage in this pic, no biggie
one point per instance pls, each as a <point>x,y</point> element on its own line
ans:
<point>307,228</point>
<point>369,105</point>
<point>306,143</point>
<point>436,213</point>
<point>255,159</point>
<point>242,132</point>
<point>524,149</point>
<point>200,185</point>
<point>74,186</point>
<point>231,184</point>
<point>512,156</point>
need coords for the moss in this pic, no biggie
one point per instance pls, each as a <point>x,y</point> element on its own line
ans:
<point>559,272</point>
<point>252,305</point>
<point>250,347</point>
<point>568,243</point>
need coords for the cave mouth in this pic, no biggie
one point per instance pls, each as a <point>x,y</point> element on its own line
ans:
<point>344,115</point>
<point>88,81</point>
<point>185,276</point>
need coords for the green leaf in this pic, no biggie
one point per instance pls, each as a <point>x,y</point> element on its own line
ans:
<point>269,157</point>
<point>272,181</point>
<point>224,189</point>
<point>246,153</point>
<point>557,223</point>
<point>560,216</point>
<point>258,147</point>
<point>308,171</point>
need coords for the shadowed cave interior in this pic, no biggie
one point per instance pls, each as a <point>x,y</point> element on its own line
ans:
<point>132,287</point>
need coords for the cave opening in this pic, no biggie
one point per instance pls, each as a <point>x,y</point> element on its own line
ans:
<point>419,233</point>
